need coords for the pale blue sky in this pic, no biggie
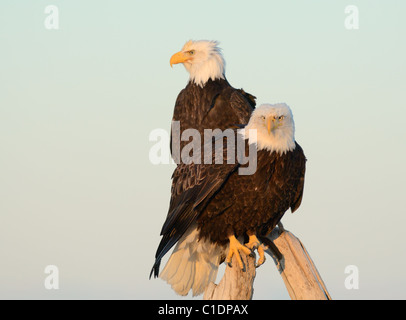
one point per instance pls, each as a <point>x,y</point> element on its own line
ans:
<point>77,106</point>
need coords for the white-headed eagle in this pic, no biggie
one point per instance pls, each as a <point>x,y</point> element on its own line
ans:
<point>212,206</point>
<point>208,101</point>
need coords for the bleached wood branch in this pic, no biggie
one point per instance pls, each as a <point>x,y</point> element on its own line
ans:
<point>236,284</point>
<point>296,268</point>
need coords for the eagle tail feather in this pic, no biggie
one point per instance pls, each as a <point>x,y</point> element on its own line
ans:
<point>193,264</point>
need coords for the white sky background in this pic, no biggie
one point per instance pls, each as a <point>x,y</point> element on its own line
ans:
<point>77,105</point>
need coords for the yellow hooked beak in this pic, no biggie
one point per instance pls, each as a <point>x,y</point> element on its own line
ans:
<point>179,57</point>
<point>272,123</point>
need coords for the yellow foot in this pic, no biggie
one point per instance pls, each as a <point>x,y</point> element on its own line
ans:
<point>253,244</point>
<point>235,247</point>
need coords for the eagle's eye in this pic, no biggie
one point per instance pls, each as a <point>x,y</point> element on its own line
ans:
<point>281,117</point>
<point>192,52</point>
<point>263,117</point>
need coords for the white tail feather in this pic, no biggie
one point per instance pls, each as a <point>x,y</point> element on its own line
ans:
<point>192,265</point>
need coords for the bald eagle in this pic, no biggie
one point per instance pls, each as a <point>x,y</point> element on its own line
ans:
<point>212,206</point>
<point>208,101</point>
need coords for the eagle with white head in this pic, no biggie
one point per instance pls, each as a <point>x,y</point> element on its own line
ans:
<point>208,101</point>
<point>213,208</point>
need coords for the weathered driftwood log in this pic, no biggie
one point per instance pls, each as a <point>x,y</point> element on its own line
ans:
<point>302,280</point>
<point>236,284</point>
<point>297,269</point>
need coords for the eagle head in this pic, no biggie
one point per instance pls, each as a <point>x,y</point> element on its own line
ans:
<point>275,128</point>
<point>202,59</point>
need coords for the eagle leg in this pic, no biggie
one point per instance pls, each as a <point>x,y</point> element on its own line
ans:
<point>254,243</point>
<point>235,247</point>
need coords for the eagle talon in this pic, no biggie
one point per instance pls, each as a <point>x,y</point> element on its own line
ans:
<point>261,253</point>
<point>235,248</point>
<point>255,244</point>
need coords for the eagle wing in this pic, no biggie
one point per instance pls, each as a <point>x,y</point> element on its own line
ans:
<point>300,169</point>
<point>242,104</point>
<point>232,106</point>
